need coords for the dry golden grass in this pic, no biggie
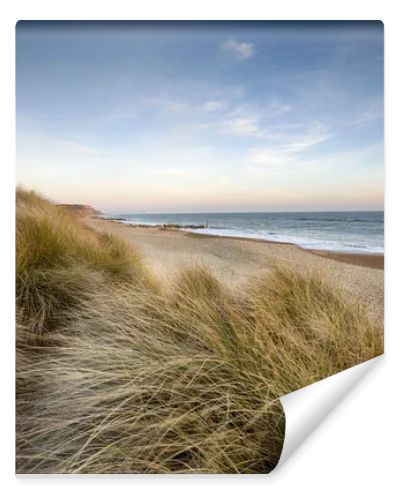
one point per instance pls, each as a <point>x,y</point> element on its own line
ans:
<point>115,375</point>
<point>58,259</point>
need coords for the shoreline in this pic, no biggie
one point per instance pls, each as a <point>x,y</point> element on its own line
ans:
<point>372,260</point>
<point>239,261</point>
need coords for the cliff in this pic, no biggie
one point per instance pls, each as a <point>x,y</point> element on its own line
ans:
<point>81,210</point>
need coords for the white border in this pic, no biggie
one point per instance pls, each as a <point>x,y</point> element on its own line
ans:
<point>354,453</point>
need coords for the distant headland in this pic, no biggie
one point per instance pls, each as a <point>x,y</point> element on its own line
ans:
<point>81,210</point>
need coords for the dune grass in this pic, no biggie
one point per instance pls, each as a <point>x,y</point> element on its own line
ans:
<point>58,259</point>
<point>117,375</point>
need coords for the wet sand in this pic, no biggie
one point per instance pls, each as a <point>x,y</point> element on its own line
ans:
<point>374,261</point>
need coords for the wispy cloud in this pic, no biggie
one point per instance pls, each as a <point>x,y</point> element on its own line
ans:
<point>327,168</point>
<point>239,50</point>
<point>242,125</point>
<point>249,120</point>
<point>180,106</point>
<point>371,112</point>
<point>168,104</point>
<point>212,106</point>
<point>287,150</point>
<point>316,134</point>
<point>264,157</point>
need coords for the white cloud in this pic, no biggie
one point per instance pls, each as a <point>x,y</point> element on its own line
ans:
<point>250,120</point>
<point>239,50</point>
<point>315,135</point>
<point>269,164</point>
<point>287,151</point>
<point>242,126</point>
<point>269,157</point>
<point>177,106</point>
<point>170,105</point>
<point>211,106</point>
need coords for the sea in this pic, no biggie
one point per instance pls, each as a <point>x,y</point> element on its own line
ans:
<point>357,232</point>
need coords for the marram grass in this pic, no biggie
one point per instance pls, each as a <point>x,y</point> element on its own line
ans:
<point>59,260</point>
<point>117,375</point>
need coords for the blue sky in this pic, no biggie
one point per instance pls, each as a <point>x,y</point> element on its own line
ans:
<point>167,117</point>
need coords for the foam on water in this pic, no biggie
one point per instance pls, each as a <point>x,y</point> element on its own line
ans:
<point>301,242</point>
<point>354,232</point>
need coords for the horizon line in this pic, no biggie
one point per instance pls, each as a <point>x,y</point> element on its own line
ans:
<point>243,212</point>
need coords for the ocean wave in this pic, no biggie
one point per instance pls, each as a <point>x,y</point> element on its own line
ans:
<point>333,246</point>
<point>352,234</point>
<point>362,221</point>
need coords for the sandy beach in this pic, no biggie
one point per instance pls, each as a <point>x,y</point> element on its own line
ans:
<point>235,261</point>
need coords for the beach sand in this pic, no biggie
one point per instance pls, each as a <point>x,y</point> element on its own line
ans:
<point>236,261</point>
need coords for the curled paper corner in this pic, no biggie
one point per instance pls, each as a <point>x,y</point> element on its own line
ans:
<point>305,409</point>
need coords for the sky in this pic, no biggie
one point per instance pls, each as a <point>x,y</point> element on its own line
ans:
<point>202,116</point>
